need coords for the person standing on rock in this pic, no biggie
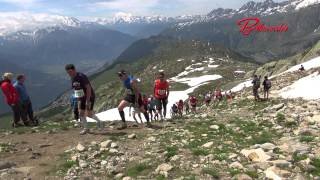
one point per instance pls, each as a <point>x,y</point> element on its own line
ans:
<point>133,96</point>
<point>12,98</point>
<point>25,100</point>
<point>161,93</point>
<point>84,92</point>
<point>266,87</point>
<point>255,87</point>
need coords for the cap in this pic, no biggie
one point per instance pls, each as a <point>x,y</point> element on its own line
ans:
<point>122,72</point>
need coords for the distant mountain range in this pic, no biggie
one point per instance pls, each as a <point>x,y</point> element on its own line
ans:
<point>220,26</point>
<point>42,43</point>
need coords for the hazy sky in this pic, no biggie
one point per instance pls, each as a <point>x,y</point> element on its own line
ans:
<point>107,8</point>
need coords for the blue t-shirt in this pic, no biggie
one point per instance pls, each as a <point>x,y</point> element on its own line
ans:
<point>22,91</point>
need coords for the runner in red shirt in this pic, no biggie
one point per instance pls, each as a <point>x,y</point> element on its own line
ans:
<point>180,107</point>
<point>161,93</point>
<point>193,102</point>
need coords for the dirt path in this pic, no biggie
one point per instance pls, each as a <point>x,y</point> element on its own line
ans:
<point>37,154</point>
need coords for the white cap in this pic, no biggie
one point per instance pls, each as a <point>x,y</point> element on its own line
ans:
<point>7,75</point>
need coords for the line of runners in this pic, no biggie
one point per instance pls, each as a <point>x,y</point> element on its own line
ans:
<point>85,97</point>
<point>153,107</point>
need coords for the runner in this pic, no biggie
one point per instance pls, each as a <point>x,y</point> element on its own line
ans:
<point>186,104</point>
<point>218,94</point>
<point>180,107</point>
<point>84,92</point>
<point>152,108</point>
<point>207,98</point>
<point>12,99</point>
<point>25,100</point>
<point>193,102</point>
<point>174,111</point>
<point>161,93</point>
<point>136,111</point>
<point>266,87</point>
<point>133,96</point>
<point>229,96</point>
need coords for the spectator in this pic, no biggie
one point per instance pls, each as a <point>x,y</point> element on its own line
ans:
<point>301,69</point>
<point>255,87</point>
<point>266,87</point>
<point>24,98</point>
<point>12,99</point>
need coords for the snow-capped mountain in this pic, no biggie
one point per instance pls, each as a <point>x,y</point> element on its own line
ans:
<point>265,8</point>
<point>25,21</point>
<point>127,18</point>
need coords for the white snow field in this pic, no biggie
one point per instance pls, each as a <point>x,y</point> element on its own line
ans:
<point>174,96</point>
<point>313,63</point>
<point>306,88</point>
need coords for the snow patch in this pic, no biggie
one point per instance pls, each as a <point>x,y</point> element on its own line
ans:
<point>313,63</point>
<point>212,66</point>
<point>306,88</point>
<point>196,80</point>
<point>240,72</point>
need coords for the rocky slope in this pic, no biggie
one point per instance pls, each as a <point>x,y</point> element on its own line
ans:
<point>244,139</point>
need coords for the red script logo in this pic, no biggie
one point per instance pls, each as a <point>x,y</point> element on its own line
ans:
<point>248,25</point>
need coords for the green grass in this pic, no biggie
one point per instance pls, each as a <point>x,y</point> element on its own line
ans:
<point>252,174</point>
<point>5,147</point>
<point>306,138</point>
<point>172,151</point>
<point>264,137</point>
<point>5,121</point>
<point>137,169</point>
<point>212,172</point>
<point>161,177</point>
<point>64,165</point>
<point>200,152</point>
<point>233,171</point>
<point>316,164</point>
<point>298,157</point>
<point>280,117</point>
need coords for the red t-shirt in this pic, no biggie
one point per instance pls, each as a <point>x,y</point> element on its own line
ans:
<point>193,100</point>
<point>10,93</point>
<point>161,89</point>
<point>180,105</point>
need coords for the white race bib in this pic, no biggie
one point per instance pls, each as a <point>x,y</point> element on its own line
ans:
<point>161,92</point>
<point>78,93</point>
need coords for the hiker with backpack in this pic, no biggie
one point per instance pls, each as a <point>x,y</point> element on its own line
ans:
<point>266,87</point>
<point>255,87</point>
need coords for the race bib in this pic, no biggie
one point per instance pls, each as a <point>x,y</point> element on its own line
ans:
<point>78,93</point>
<point>161,92</point>
<point>129,91</point>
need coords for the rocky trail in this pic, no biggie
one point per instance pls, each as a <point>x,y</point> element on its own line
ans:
<point>244,139</point>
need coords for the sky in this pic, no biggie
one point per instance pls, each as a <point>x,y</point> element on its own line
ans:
<point>108,8</point>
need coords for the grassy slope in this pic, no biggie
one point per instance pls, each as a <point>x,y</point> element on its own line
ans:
<point>164,55</point>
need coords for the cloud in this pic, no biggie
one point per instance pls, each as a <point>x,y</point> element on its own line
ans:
<point>132,6</point>
<point>20,3</point>
<point>24,20</point>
